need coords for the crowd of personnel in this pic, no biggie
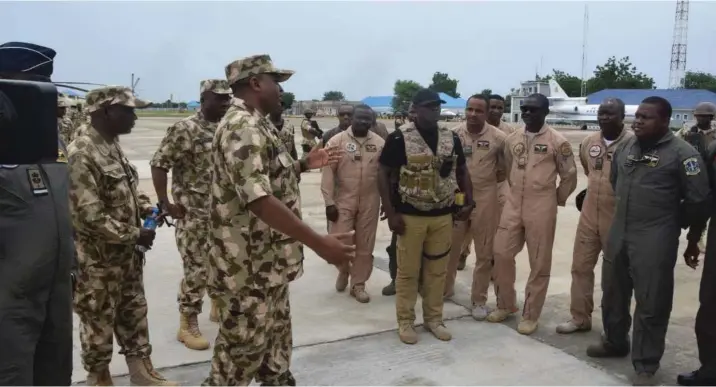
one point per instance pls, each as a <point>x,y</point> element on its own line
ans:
<point>236,200</point>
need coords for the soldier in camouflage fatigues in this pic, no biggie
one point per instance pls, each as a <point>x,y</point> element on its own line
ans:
<point>186,151</point>
<point>251,264</point>
<point>107,209</point>
<point>308,132</point>
<point>286,132</point>
<point>64,122</point>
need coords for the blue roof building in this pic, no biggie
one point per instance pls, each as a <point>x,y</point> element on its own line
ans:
<point>680,99</point>
<point>383,104</point>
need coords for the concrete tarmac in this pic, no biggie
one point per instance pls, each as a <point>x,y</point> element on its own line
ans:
<point>338,341</point>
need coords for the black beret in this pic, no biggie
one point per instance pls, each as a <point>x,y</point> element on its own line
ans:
<point>19,57</point>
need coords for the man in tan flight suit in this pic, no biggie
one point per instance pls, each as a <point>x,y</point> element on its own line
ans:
<point>534,156</point>
<point>186,151</point>
<point>494,118</point>
<point>595,154</point>
<point>352,202</point>
<point>483,146</point>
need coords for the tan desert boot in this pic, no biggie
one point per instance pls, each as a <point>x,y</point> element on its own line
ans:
<point>142,373</point>
<point>100,378</point>
<point>189,333</point>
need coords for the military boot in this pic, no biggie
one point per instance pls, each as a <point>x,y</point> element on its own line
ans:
<point>342,281</point>
<point>389,290</point>
<point>100,378</point>
<point>463,262</point>
<point>407,334</point>
<point>359,293</point>
<point>189,333</point>
<point>142,373</point>
<point>500,315</point>
<point>214,314</point>
<point>438,330</point>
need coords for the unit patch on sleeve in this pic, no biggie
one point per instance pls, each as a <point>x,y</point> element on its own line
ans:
<point>518,149</point>
<point>595,151</point>
<point>691,166</point>
<point>566,149</point>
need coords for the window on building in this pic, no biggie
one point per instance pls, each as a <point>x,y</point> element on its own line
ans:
<point>686,117</point>
<point>678,116</point>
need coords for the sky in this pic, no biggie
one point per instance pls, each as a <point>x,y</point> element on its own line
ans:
<point>360,48</point>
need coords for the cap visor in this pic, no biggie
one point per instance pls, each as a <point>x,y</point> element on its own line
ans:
<point>282,75</point>
<point>139,103</point>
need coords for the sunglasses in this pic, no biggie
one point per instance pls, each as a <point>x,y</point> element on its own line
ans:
<point>529,109</point>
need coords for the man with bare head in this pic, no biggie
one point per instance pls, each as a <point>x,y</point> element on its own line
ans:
<point>597,211</point>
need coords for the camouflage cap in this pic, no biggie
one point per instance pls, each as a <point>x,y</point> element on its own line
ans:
<point>113,95</point>
<point>217,86</point>
<point>254,65</point>
<point>62,102</point>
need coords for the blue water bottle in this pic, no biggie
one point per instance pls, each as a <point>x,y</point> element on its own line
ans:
<point>150,223</point>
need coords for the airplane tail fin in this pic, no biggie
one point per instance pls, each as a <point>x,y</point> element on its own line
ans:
<point>555,90</point>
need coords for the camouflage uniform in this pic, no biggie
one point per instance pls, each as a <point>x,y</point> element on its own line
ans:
<point>251,264</point>
<point>107,209</point>
<point>309,139</point>
<point>186,151</point>
<point>65,123</point>
<point>287,135</point>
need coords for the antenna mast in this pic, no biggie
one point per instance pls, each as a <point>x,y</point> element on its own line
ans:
<point>584,51</point>
<point>677,70</point>
<point>134,83</point>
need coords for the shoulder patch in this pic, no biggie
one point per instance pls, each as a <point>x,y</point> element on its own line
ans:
<point>565,149</point>
<point>691,166</point>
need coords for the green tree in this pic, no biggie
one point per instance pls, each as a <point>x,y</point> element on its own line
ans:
<point>620,74</point>
<point>486,92</point>
<point>700,80</point>
<point>403,92</point>
<point>333,95</point>
<point>287,100</point>
<point>444,84</point>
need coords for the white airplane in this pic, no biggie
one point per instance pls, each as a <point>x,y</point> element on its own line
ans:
<point>565,108</point>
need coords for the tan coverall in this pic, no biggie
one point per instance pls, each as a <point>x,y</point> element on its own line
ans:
<point>594,221</point>
<point>530,213</point>
<point>484,153</point>
<point>352,186</point>
<point>503,189</point>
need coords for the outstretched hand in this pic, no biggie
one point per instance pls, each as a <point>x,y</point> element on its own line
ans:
<point>320,157</point>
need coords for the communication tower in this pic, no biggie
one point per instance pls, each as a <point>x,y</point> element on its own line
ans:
<point>584,51</point>
<point>678,47</point>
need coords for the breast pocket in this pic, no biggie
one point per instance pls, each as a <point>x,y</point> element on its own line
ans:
<point>116,186</point>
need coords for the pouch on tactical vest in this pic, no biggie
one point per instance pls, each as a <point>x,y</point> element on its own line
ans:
<point>696,138</point>
<point>28,122</point>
